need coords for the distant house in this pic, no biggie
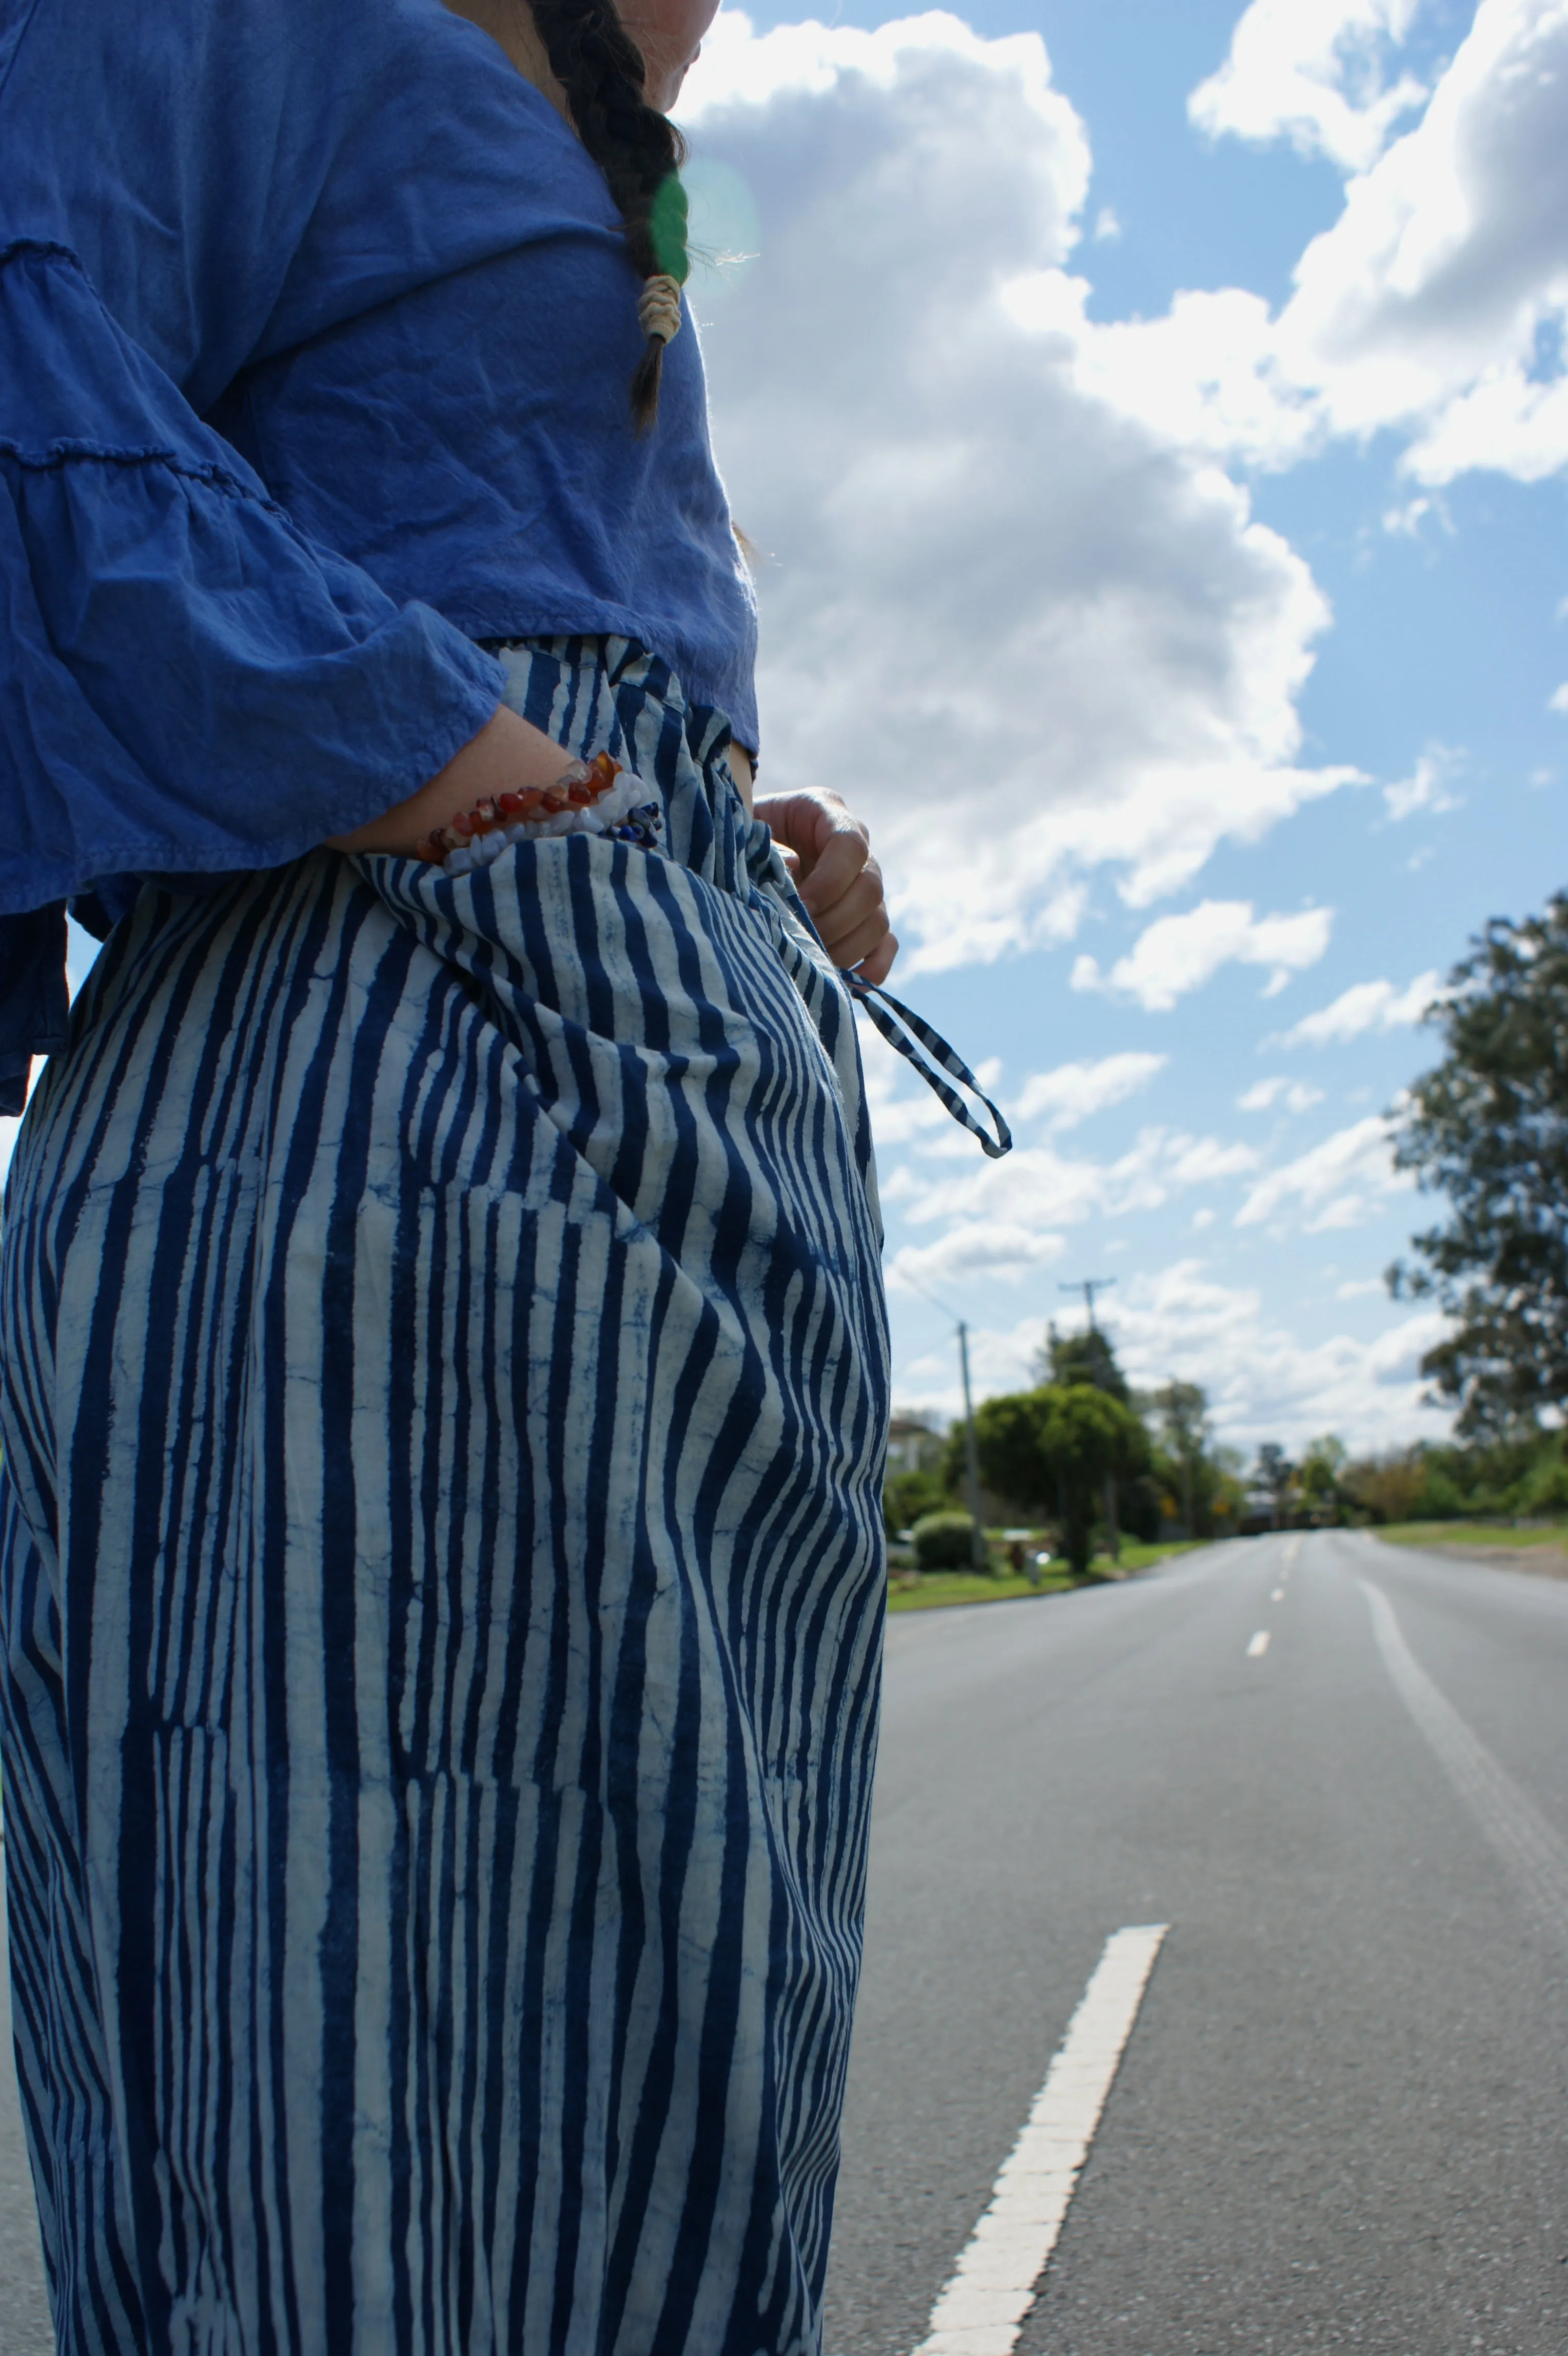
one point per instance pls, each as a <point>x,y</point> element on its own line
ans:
<point>913,1446</point>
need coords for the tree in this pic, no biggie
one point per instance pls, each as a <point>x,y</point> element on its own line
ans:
<point>1276,1473</point>
<point>1053,1449</point>
<point>1181,1427</point>
<point>1323,1463</point>
<point>1086,1357</point>
<point>1489,1128</point>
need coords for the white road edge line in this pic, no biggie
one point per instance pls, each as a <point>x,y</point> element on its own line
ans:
<point>1533,1852</point>
<point>1259,1645</point>
<point>991,2289</point>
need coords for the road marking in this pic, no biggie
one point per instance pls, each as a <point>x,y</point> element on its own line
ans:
<point>1278,1596</point>
<point>1259,1645</point>
<point>991,2289</point>
<point>1535,1855</point>
<point>1292,1550</point>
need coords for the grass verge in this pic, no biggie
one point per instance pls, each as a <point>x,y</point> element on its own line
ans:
<point>928,1589</point>
<point>1471,1533</point>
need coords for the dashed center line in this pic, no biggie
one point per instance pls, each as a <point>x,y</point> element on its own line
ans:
<point>992,2288</point>
<point>1259,1645</point>
<point>1278,1596</point>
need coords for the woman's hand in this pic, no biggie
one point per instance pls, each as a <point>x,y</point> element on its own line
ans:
<point>828,854</point>
<point>508,754</point>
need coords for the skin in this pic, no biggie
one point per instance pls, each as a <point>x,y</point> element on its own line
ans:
<point>827,849</point>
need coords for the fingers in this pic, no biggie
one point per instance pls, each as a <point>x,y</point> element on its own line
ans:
<point>840,882</point>
<point>879,964</point>
<point>842,855</point>
<point>840,920</point>
<point>855,930</point>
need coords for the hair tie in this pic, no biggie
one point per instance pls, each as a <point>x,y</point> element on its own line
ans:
<point>658,308</point>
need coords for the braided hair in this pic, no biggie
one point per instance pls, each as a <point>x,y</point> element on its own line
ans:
<point>639,151</point>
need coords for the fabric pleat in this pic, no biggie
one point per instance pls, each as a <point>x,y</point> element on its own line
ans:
<point>441,1584</point>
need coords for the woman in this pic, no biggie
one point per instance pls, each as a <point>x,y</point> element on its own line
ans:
<point>444,1359</point>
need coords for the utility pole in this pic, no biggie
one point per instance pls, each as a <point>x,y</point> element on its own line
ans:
<point>1089,1286</point>
<point>971,1455</point>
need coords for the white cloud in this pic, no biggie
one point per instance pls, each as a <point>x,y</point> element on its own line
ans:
<point>1263,1382</point>
<point>1361,1288</point>
<point>1106,224</point>
<point>1073,1092</point>
<point>1296,1096</point>
<point>1436,305</point>
<point>1038,633</point>
<point>1423,306</point>
<point>1337,1182</point>
<point>1037,1190</point>
<point>1206,375</point>
<point>1313,71</point>
<point>1366,1006</point>
<point>1558,699</point>
<point>1176,954</point>
<point>1426,788</point>
<point>994,1249</point>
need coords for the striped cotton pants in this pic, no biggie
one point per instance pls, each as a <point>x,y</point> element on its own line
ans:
<point>441,1590</point>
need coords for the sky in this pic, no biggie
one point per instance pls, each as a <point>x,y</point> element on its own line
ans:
<point>1152,422</point>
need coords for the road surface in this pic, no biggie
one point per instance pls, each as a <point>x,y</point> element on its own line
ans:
<point>1340,2116</point>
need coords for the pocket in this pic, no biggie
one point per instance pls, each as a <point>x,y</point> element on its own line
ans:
<point>666,1038</point>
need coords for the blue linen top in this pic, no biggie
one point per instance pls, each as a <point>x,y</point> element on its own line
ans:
<point>316,324</point>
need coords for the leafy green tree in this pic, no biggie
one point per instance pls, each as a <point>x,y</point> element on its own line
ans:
<point>1276,1473</point>
<point>1523,1473</point>
<point>1181,1439</point>
<point>1086,1357</point>
<point>1489,1128</point>
<point>1323,1461</point>
<point>1053,1449</point>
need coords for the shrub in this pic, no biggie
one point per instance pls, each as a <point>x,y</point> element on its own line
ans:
<point>944,1541</point>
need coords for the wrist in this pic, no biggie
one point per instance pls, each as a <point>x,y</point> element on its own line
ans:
<point>508,754</point>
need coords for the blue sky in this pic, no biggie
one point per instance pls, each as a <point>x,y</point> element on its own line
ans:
<point>1153,425</point>
<point>1247,1224</point>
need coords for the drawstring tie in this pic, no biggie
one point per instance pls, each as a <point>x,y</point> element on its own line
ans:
<point>923,1048</point>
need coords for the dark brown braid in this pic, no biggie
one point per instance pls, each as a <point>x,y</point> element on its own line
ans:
<point>639,151</point>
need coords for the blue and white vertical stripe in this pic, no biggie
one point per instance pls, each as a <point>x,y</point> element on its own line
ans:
<point>443,1394</point>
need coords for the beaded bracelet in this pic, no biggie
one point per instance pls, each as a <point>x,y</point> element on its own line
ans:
<point>583,799</point>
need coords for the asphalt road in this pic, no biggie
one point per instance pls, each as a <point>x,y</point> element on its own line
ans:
<point>1341,2118</point>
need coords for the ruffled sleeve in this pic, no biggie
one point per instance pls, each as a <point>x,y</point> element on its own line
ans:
<point>189,683</point>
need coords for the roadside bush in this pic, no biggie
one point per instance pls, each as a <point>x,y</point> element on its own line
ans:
<point>944,1541</point>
